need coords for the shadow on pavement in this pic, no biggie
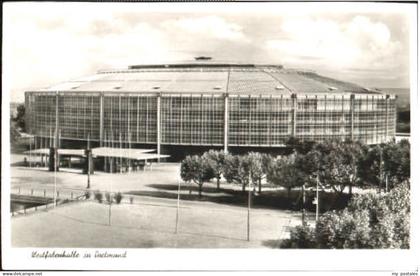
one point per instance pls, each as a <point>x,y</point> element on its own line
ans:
<point>277,199</point>
<point>273,200</point>
<point>275,244</point>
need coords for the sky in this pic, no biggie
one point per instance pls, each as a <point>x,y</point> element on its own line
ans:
<point>46,43</point>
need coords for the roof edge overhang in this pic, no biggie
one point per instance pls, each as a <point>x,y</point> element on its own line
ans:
<point>200,65</point>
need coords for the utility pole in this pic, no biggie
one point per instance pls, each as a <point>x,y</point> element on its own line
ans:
<point>317,199</point>
<point>303,204</point>
<point>109,211</point>
<point>249,207</point>
<point>129,153</point>
<point>177,207</point>
<point>380,170</point>
<point>120,153</point>
<point>88,161</point>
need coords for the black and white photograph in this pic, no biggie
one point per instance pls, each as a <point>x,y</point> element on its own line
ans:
<point>132,132</point>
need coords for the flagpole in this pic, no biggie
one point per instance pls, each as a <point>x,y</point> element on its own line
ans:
<point>129,153</point>
<point>120,154</point>
<point>55,167</point>
<point>105,144</point>
<point>111,167</point>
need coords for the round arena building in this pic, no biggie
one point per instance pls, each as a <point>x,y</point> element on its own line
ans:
<point>186,108</point>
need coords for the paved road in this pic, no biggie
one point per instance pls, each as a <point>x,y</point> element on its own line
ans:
<point>204,223</point>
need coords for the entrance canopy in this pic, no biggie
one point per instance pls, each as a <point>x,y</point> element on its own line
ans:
<point>117,152</point>
<point>46,151</point>
<point>136,154</point>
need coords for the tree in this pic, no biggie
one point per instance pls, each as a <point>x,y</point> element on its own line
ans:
<point>396,158</point>
<point>309,165</point>
<point>17,124</point>
<point>196,169</point>
<point>299,146</point>
<point>231,167</point>
<point>244,170</point>
<point>251,167</point>
<point>390,160</point>
<point>332,163</point>
<point>14,133</point>
<point>285,173</point>
<point>370,166</point>
<point>216,161</point>
<point>259,166</point>
<point>237,169</point>
<point>259,174</point>
<point>338,164</point>
<point>255,169</point>
<point>20,117</point>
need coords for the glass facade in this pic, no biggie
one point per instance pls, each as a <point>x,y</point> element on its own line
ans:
<point>192,120</point>
<point>78,116</point>
<point>323,117</point>
<point>40,111</point>
<point>198,119</point>
<point>259,121</point>
<point>131,117</point>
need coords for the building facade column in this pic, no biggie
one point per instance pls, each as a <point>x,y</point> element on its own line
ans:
<point>53,156</point>
<point>386,117</point>
<point>226,124</point>
<point>352,117</point>
<point>343,119</point>
<point>101,119</point>
<point>293,113</point>
<point>88,164</point>
<point>158,126</point>
<point>56,144</point>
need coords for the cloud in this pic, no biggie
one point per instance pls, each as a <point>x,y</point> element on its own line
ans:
<point>44,50</point>
<point>357,42</point>
<point>48,44</point>
<point>209,26</point>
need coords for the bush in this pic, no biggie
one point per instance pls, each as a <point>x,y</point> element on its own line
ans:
<point>300,237</point>
<point>118,197</point>
<point>87,195</point>
<point>108,198</point>
<point>370,221</point>
<point>98,196</point>
<point>131,200</point>
<point>343,230</point>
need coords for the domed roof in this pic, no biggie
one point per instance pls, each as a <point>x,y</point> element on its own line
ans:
<point>210,77</point>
